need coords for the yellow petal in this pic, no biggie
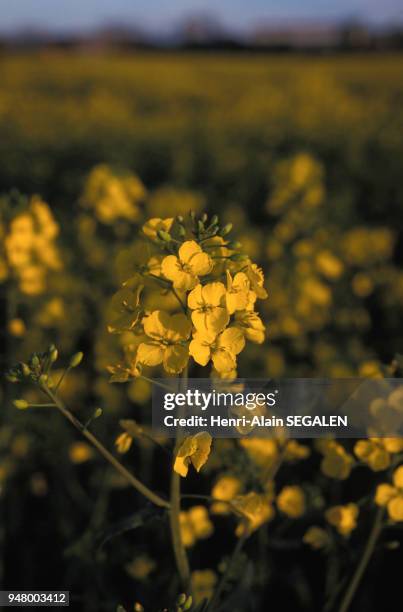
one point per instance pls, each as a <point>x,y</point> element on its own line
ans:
<point>178,327</point>
<point>195,298</point>
<point>201,264</point>
<point>200,352</point>
<point>384,493</point>
<point>231,339</point>
<point>223,360</point>
<point>188,250</point>
<point>154,324</point>
<point>395,508</point>
<point>398,477</point>
<point>150,354</point>
<point>203,441</point>
<point>175,358</point>
<point>182,459</point>
<point>213,294</point>
<point>170,267</point>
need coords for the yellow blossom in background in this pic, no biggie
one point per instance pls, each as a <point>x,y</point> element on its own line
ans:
<point>195,525</point>
<point>80,452</point>
<point>209,312</point>
<point>316,537</point>
<point>373,453</point>
<point>225,489</point>
<point>123,442</point>
<point>16,327</point>
<point>291,501</point>
<point>337,462</point>
<point>141,567</point>
<point>203,583</point>
<point>343,518</point>
<point>391,496</point>
<point>185,269</point>
<point>113,197</point>
<point>166,341</point>
<point>29,246</point>
<point>193,450</point>
<point>257,508</point>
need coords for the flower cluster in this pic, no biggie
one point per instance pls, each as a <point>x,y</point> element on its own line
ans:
<point>29,249</point>
<point>208,289</point>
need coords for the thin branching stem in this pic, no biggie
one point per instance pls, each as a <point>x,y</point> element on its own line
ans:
<point>136,484</point>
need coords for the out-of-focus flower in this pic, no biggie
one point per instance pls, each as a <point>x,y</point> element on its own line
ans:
<point>391,496</point>
<point>316,537</point>
<point>343,518</point>
<point>291,501</point>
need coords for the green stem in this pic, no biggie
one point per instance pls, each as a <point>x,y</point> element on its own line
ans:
<point>136,484</point>
<point>215,600</point>
<point>181,558</point>
<point>363,563</point>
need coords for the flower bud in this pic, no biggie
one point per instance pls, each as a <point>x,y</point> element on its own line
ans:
<point>21,404</point>
<point>25,369</point>
<point>181,599</point>
<point>12,378</point>
<point>53,355</point>
<point>43,380</point>
<point>214,220</point>
<point>164,236</point>
<point>182,231</point>
<point>76,359</point>
<point>238,257</point>
<point>204,218</point>
<point>35,361</point>
<point>226,229</point>
<point>179,219</point>
<point>235,244</point>
<point>188,603</point>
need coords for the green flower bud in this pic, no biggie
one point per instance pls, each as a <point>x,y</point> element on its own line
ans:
<point>76,359</point>
<point>179,219</point>
<point>43,380</point>
<point>200,226</point>
<point>35,361</point>
<point>238,257</point>
<point>188,603</point>
<point>235,244</point>
<point>12,378</point>
<point>214,220</point>
<point>204,218</point>
<point>25,369</point>
<point>98,412</point>
<point>53,355</point>
<point>21,404</point>
<point>226,229</point>
<point>182,231</point>
<point>181,599</point>
<point>162,235</point>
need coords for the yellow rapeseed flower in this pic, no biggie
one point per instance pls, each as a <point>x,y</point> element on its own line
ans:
<point>256,508</point>
<point>222,350</point>
<point>391,496</point>
<point>238,295</point>
<point>153,226</point>
<point>209,312</point>
<point>193,450</point>
<point>291,501</point>
<point>167,341</point>
<point>184,270</point>
<point>343,518</point>
<point>316,537</point>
